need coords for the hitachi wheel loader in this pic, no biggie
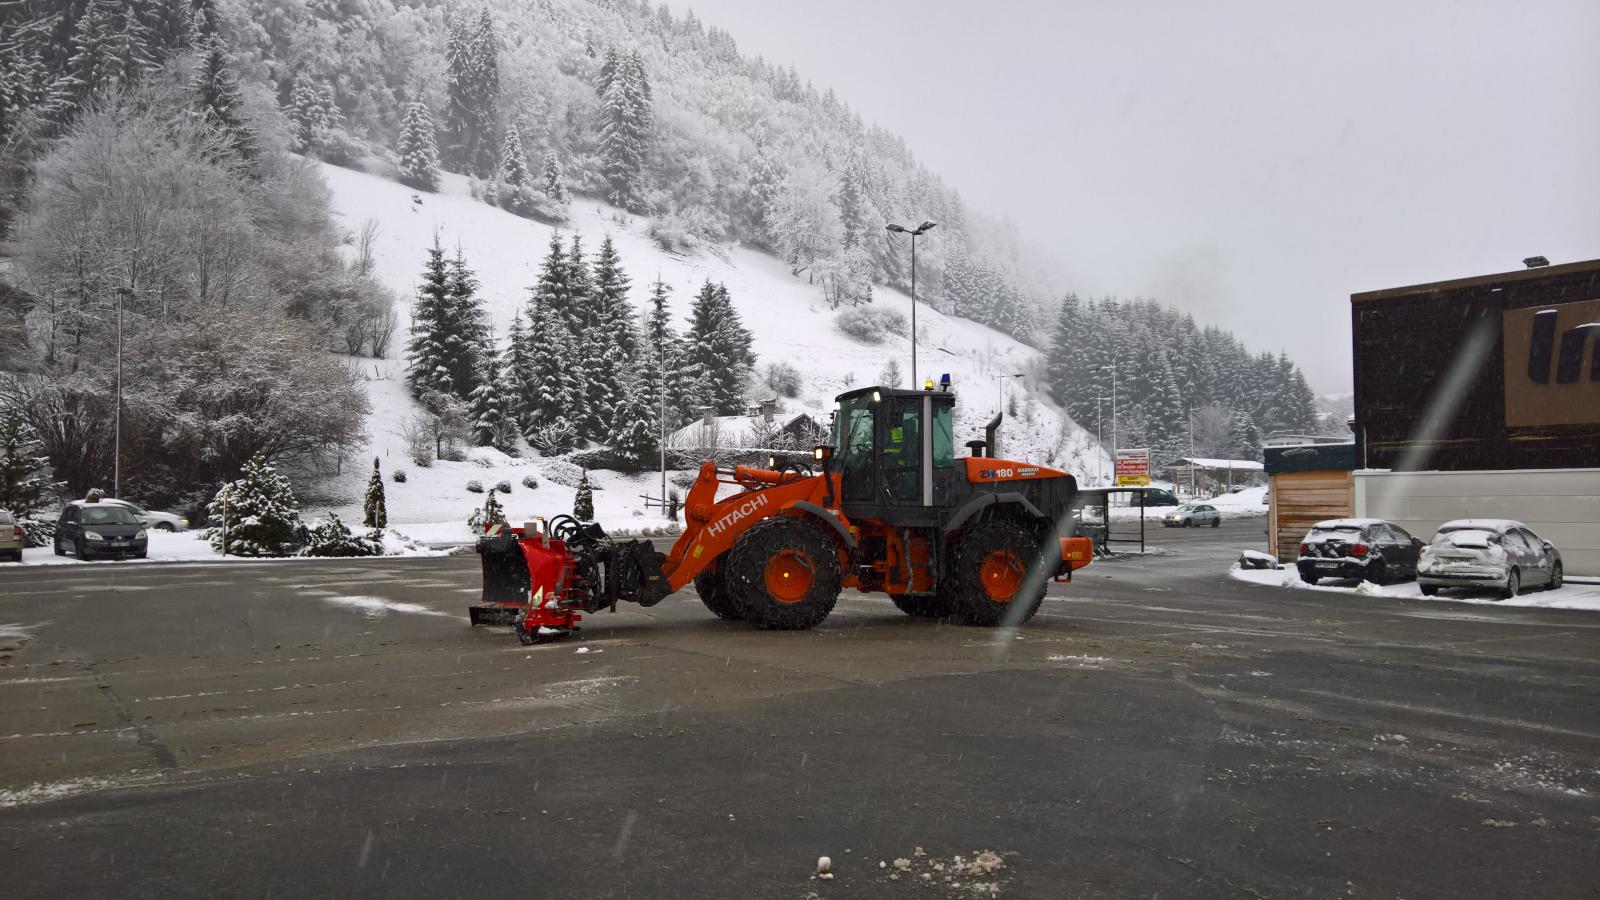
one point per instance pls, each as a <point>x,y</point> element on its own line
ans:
<point>887,506</point>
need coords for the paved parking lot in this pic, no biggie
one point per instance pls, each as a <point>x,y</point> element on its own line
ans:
<point>335,728</point>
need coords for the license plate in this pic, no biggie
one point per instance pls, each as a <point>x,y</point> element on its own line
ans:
<point>120,544</point>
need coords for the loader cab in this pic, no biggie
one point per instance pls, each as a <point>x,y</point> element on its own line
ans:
<point>895,448</point>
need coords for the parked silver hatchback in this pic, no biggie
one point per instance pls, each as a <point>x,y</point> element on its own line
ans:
<point>1501,555</point>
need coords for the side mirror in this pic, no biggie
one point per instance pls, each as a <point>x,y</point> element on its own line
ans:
<point>1548,545</point>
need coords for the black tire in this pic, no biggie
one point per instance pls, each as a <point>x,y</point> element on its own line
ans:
<point>923,606</point>
<point>762,551</point>
<point>79,548</point>
<point>1428,590</point>
<point>1309,579</point>
<point>60,550</point>
<point>714,594</point>
<point>1557,577</point>
<point>1378,573</point>
<point>1217,521</point>
<point>165,526</point>
<point>1513,585</point>
<point>973,602</point>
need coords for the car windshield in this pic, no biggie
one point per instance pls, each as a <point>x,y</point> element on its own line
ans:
<point>5,517</point>
<point>107,514</point>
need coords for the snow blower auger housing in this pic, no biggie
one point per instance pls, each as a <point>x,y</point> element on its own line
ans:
<point>893,509</point>
<point>542,578</point>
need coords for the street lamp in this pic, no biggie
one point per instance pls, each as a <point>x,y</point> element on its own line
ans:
<point>1100,471</point>
<point>116,460</point>
<point>1113,370</point>
<point>920,230</point>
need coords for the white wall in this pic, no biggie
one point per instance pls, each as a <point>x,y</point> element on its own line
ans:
<point>1560,505</point>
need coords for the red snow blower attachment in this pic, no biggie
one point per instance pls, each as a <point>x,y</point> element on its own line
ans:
<point>541,578</point>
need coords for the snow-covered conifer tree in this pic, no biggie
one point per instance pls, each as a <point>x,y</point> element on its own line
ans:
<point>583,500</point>
<point>374,510</point>
<point>24,469</point>
<point>418,149</point>
<point>555,186</point>
<point>259,512</point>
<point>431,349</point>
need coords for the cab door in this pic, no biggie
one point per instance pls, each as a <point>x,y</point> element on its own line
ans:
<point>901,451</point>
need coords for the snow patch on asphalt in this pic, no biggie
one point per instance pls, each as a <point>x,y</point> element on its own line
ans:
<point>59,790</point>
<point>378,607</point>
<point>1572,595</point>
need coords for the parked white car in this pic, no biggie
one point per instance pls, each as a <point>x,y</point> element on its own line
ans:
<point>12,537</point>
<point>1502,555</point>
<point>160,521</point>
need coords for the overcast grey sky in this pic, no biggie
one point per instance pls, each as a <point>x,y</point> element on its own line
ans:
<point>1253,162</point>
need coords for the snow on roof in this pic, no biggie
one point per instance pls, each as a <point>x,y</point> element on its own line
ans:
<point>1235,464</point>
<point>1481,524</point>
<point>1349,523</point>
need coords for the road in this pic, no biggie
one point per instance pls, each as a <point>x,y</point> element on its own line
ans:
<point>335,729</point>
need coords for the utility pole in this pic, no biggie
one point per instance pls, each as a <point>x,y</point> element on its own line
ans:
<point>922,229</point>
<point>116,463</point>
<point>1100,469</point>
<point>1113,369</point>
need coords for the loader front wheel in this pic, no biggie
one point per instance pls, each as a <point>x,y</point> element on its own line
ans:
<point>988,581</point>
<point>713,592</point>
<point>783,574</point>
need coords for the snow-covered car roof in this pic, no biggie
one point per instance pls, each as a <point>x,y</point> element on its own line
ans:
<point>1349,523</point>
<point>1496,525</point>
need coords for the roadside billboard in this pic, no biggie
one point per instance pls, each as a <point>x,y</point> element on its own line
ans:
<point>1133,467</point>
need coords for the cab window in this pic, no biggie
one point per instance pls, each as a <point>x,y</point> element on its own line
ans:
<point>944,437</point>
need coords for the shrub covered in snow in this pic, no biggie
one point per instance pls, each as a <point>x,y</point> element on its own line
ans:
<point>562,472</point>
<point>40,532</point>
<point>784,379</point>
<point>258,513</point>
<point>374,510</point>
<point>870,324</point>
<point>475,486</point>
<point>331,537</point>
<point>530,482</point>
<point>399,476</point>
<point>503,487</point>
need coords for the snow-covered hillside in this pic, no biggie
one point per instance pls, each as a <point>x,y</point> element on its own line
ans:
<point>788,317</point>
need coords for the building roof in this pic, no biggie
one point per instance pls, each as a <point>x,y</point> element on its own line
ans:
<point>1237,465</point>
<point>1572,268</point>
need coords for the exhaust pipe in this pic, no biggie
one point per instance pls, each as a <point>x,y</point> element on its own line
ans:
<point>992,432</point>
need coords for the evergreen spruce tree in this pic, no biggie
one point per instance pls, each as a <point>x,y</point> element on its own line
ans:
<point>259,512</point>
<point>489,408</point>
<point>550,343</point>
<point>99,52</point>
<point>1244,440</point>
<point>311,113</point>
<point>418,150</point>
<point>583,500</point>
<point>717,352</point>
<point>24,469</point>
<point>634,436</point>
<point>216,90</point>
<point>610,339</point>
<point>516,367</point>
<point>626,112</point>
<point>468,329</point>
<point>430,348</point>
<point>472,87</point>
<point>374,511</point>
<point>554,186</point>
<point>662,359</point>
<point>513,161</point>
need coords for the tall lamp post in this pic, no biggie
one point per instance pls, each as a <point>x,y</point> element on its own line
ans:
<point>920,230</point>
<point>1113,370</point>
<point>116,459</point>
<point>1100,473</point>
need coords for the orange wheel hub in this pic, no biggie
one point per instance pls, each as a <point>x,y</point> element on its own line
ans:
<point>789,575</point>
<point>1001,575</point>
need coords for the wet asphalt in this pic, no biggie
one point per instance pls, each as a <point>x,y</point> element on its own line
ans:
<point>315,729</point>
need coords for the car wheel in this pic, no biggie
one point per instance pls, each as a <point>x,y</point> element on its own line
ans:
<point>1217,521</point>
<point>80,549</point>
<point>1377,573</point>
<point>1556,575</point>
<point>60,550</point>
<point>1308,579</point>
<point>1428,590</point>
<point>1513,585</point>
<point>165,526</point>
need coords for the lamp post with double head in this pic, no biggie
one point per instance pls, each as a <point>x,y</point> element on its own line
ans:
<point>915,233</point>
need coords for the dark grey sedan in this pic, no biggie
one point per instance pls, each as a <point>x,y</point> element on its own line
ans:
<point>90,529</point>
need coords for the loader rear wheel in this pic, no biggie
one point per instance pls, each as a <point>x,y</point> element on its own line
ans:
<point>988,580</point>
<point>783,574</point>
<point>714,593</point>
